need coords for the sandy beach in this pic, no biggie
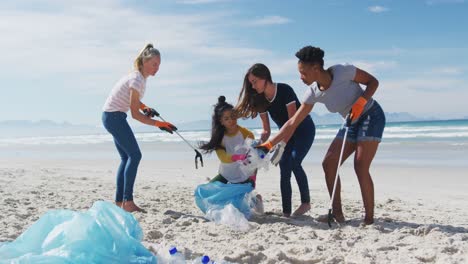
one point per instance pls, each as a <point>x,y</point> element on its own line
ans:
<point>421,212</point>
<point>71,69</point>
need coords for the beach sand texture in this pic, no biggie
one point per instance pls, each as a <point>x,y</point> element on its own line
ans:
<point>421,213</point>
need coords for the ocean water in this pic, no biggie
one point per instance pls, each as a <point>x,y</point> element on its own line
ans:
<point>405,143</point>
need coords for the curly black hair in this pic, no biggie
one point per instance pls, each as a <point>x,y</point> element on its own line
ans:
<point>311,55</point>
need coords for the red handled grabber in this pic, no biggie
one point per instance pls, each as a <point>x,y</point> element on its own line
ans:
<point>198,155</point>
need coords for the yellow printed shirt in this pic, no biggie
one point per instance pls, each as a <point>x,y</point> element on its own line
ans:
<point>228,169</point>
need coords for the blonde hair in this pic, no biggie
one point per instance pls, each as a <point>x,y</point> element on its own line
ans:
<point>148,52</point>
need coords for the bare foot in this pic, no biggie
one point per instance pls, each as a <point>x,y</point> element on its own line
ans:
<point>302,209</point>
<point>130,206</point>
<point>259,197</point>
<point>368,221</point>
<point>119,204</point>
<point>338,218</point>
<point>259,205</point>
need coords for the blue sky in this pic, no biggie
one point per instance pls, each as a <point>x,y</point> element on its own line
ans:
<point>60,59</point>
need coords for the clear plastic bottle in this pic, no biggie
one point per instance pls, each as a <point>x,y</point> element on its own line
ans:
<point>175,257</point>
<point>202,260</point>
<point>256,158</point>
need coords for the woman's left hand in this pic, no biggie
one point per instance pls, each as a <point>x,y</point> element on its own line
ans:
<point>265,135</point>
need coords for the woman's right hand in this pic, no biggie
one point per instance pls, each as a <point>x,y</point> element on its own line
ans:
<point>166,126</point>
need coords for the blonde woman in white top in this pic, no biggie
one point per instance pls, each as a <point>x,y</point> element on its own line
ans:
<point>126,95</point>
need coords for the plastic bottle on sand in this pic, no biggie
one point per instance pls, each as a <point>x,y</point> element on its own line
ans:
<point>202,260</point>
<point>176,257</point>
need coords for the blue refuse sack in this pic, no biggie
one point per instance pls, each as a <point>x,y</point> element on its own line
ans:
<point>216,195</point>
<point>103,234</point>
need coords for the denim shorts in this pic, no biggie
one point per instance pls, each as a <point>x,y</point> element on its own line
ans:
<point>369,127</point>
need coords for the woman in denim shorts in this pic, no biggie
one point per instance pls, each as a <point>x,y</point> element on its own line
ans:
<point>338,88</point>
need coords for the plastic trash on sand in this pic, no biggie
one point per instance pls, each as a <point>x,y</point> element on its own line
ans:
<point>257,159</point>
<point>202,260</point>
<point>170,255</point>
<point>230,216</point>
<point>217,195</point>
<point>229,204</point>
<point>103,234</point>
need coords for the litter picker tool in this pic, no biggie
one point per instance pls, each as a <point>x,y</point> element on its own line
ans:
<point>198,155</point>
<point>346,125</point>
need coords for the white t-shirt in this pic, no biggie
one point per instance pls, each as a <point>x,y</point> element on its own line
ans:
<point>230,170</point>
<point>119,98</point>
<point>342,93</point>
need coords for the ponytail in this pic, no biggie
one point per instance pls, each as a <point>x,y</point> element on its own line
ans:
<point>145,54</point>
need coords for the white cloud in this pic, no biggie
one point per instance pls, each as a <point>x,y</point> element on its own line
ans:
<point>423,96</point>
<point>447,71</point>
<point>230,53</point>
<point>75,55</point>
<point>85,41</point>
<point>435,2</point>
<point>393,52</point>
<point>427,85</point>
<point>71,53</point>
<point>377,9</point>
<point>372,67</point>
<point>284,67</point>
<point>269,20</point>
<point>376,66</point>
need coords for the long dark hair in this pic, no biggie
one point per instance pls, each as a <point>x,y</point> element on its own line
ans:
<point>217,129</point>
<point>250,103</point>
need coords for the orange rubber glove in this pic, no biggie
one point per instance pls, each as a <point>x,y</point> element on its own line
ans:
<point>166,126</point>
<point>265,147</point>
<point>357,108</point>
<point>143,106</point>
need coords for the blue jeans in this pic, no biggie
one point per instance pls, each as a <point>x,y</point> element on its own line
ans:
<point>116,124</point>
<point>294,152</point>
<point>369,127</point>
